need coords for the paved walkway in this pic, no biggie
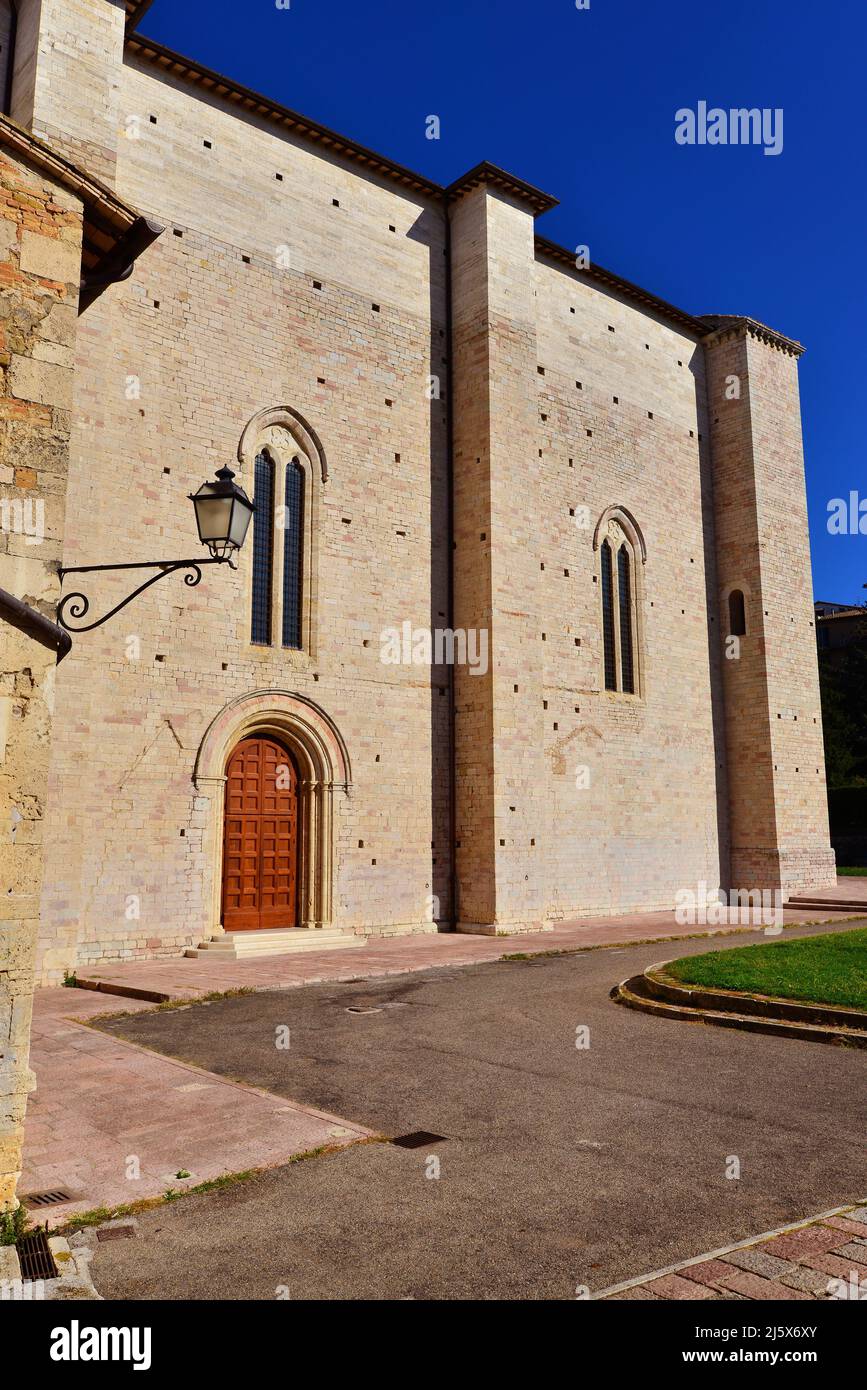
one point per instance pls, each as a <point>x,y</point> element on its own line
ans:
<point>105,1109</point>
<point>826,1258</point>
<point>848,888</point>
<point>183,978</point>
<point>111,1122</point>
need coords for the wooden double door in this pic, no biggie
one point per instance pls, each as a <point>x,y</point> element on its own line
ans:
<point>261,839</point>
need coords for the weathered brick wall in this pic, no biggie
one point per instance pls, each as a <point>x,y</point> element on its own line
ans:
<point>40,256</point>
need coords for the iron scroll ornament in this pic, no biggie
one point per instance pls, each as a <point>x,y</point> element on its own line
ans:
<point>77,604</point>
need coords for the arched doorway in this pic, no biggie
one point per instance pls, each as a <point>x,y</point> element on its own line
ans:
<point>295,723</point>
<point>261,840</point>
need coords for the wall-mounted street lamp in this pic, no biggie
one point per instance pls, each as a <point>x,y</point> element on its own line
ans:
<point>223,512</point>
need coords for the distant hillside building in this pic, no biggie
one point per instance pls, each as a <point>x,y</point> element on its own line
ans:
<point>839,625</point>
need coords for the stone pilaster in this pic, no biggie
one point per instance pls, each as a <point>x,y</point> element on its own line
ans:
<point>778,801</point>
<point>67,78</point>
<point>499,742</point>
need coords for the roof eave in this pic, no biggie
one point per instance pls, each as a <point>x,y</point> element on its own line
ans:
<point>592,271</point>
<point>720,326</point>
<point>490,174</point>
<point>257,104</point>
<point>108,220</point>
<point>706,328</point>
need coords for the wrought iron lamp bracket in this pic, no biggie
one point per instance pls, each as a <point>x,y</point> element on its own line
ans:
<point>77,605</point>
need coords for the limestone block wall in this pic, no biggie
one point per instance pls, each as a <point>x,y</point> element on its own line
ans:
<point>40,255</point>
<point>321,290</point>
<point>500,792</point>
<point>67,80</point>
<point>635,786</point>
<point>291,278</point>
<point>779,813</point>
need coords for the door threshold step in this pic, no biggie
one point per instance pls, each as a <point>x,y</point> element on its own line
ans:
<point>244,945</point>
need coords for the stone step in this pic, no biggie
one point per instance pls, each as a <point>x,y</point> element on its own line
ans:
<point>245,945</point>
<point>848,905</point>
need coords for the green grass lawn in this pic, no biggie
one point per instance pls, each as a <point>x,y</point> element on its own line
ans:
<point>853,873</point>
<point>828,969</point>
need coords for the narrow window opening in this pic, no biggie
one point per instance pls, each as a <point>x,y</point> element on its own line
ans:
<point>624,580</point>
<point>608,618</point>
<point>737,614</point>
<point>263,549</point>
<point>293,553</point>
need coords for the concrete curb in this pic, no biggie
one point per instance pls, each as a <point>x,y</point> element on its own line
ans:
<point>655,992</point>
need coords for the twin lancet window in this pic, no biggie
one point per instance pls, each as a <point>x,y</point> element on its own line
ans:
<point>268,524</point>
<point>618,623</point>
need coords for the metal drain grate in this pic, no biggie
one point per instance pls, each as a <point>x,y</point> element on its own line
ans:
<point>417,1139</point>
<point>37,1261</point>
<point>46,1199</point>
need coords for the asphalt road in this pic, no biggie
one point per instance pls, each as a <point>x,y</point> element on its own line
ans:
<point>560,1165</point>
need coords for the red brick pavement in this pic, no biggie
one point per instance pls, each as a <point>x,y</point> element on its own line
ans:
<point>826,1258</point>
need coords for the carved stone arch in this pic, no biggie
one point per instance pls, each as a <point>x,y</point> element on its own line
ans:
<point>256,430</point>
<point>284,434</point>
<point>325,773</point>
<point>627,523</point>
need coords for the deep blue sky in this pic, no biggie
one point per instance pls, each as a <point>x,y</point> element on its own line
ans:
<point>582,104</point>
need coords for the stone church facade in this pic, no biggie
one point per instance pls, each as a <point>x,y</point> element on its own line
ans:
<point>448,426</point>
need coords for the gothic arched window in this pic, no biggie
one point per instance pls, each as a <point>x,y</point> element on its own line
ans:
<point>622,554</point>
<point>263,550</point>
<point>284,459</point>
<point>293,552</point>
<point>624,595</point>
<point>608,641</point>
<point>289,519</point>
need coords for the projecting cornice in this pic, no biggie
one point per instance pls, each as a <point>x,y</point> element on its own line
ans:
<point>516,188</point>
<point>724,326</point>
<point>135,12</point>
